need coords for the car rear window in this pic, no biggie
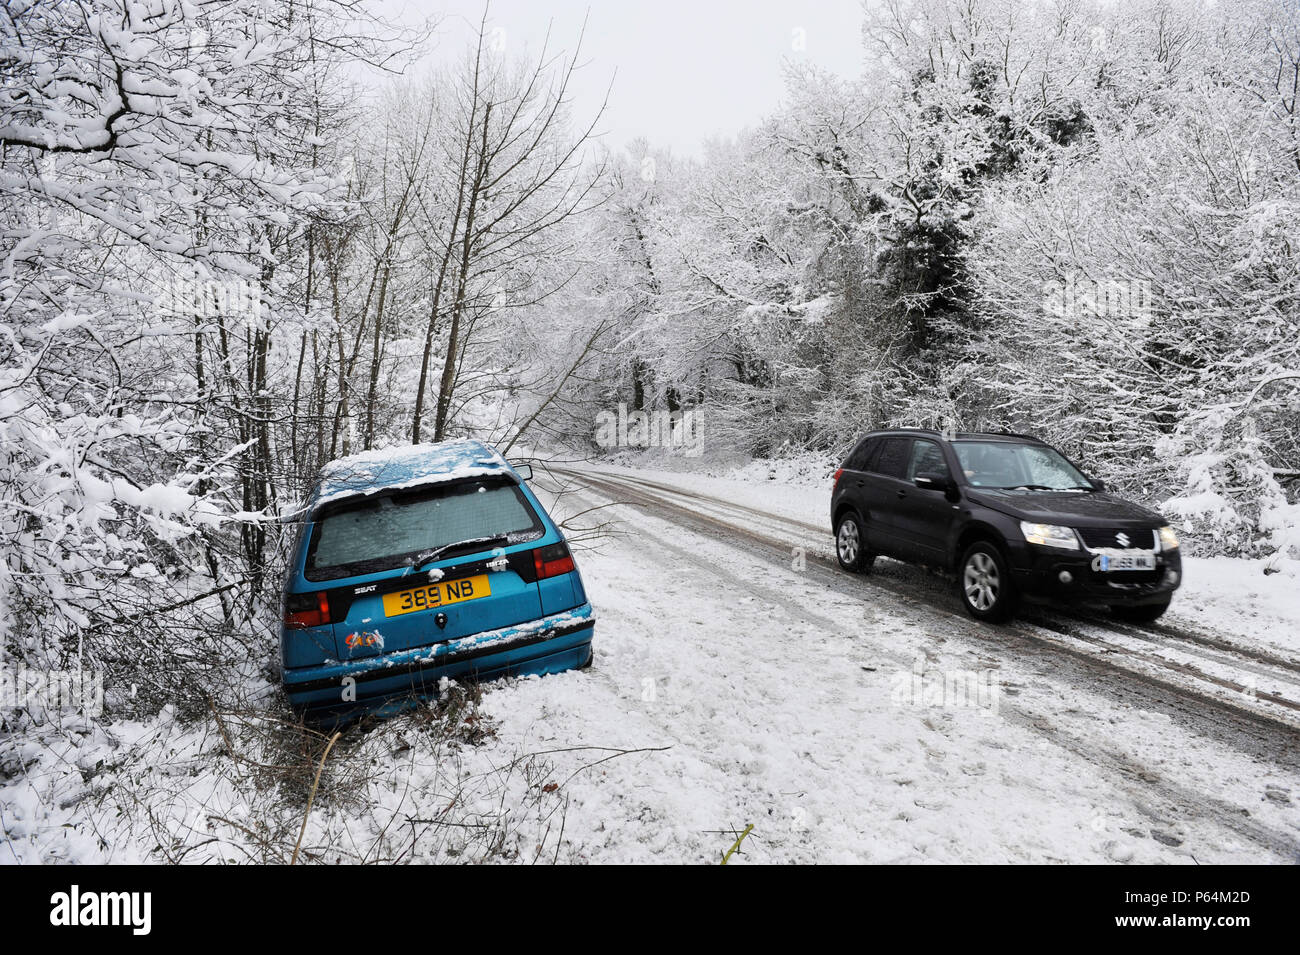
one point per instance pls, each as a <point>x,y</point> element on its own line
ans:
<point>392,529</point>
<point>857,461</point>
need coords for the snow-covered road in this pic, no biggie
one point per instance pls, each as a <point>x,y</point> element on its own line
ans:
<point>861,719</point>
<point>742,679</point>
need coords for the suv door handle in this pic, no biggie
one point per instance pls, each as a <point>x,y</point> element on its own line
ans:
<point>901,493</point>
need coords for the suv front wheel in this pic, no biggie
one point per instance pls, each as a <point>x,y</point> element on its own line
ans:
<point>850,542</point>
<point>984,583</point>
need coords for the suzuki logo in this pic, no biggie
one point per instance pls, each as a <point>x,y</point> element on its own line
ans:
<point>1122,539</point>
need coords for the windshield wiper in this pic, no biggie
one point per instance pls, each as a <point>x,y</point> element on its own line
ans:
<point>429,556</point>
<point>1031,487</point>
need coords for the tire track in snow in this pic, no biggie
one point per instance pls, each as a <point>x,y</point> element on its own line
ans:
<point>1178,676</point>
<point>1153,796</point>
<point>1274,662</point>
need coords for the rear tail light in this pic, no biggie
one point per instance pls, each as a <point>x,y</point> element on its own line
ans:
<point>837,477</point>
<point>306,610</point>
<point>552,561</point>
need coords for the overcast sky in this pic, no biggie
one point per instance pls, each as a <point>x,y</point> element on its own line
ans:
<point>682,71</point>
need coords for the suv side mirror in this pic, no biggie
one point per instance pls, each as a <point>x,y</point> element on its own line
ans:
<point>1098,483</point>
<point>933,481</point>
<point>525,471</point>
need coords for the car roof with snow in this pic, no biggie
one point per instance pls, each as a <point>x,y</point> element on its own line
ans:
<point>1008,436</point>
<point>403,467</point>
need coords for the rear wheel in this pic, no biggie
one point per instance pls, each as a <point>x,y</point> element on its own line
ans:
<point>850,543</point>
<point>984,583</point>
<point>1143,614</point>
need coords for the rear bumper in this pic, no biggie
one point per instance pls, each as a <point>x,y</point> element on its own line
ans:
<point>550,644</point>
<point>1038,574</point>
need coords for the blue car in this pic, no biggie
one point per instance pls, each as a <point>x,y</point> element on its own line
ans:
<point>419,563</point>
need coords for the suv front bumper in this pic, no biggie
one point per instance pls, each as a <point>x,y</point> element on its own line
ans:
<point>1038,572</point>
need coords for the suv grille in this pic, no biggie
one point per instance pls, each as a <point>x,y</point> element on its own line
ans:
<point>1120,537</point>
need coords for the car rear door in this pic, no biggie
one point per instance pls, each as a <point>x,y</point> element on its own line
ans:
<point>882,486</point>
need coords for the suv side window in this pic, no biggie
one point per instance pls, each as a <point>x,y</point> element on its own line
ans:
<point>857,461</point>
<point>926,456</point>
<point>894,453</point>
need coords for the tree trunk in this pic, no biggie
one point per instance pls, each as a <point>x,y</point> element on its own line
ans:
<point>447,385</point>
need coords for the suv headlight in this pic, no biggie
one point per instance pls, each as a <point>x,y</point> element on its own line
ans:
<point>1168,539</point>
<point>1050,535</point>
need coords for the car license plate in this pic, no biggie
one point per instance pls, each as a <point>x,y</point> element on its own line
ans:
<point>436,595</point>
<point>1113,562</point>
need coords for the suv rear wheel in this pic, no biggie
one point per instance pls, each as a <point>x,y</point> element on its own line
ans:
<point>984,583</point>
<point>849,543</point>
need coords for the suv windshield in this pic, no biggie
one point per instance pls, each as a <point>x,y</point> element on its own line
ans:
<point>407,527</point>
<point>1032,467</point>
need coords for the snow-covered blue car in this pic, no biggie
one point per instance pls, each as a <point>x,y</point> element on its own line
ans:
<point>418,563</point>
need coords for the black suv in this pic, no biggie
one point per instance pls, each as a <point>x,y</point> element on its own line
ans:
<point>1009,514</point>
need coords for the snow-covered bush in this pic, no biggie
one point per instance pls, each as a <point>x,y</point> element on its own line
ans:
<point>1230,500</point>
<point>152,160</point>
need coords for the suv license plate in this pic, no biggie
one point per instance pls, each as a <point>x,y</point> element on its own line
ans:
<point>1127,562</point>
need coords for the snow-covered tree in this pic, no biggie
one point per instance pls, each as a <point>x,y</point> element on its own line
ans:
<point>156,171</point>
